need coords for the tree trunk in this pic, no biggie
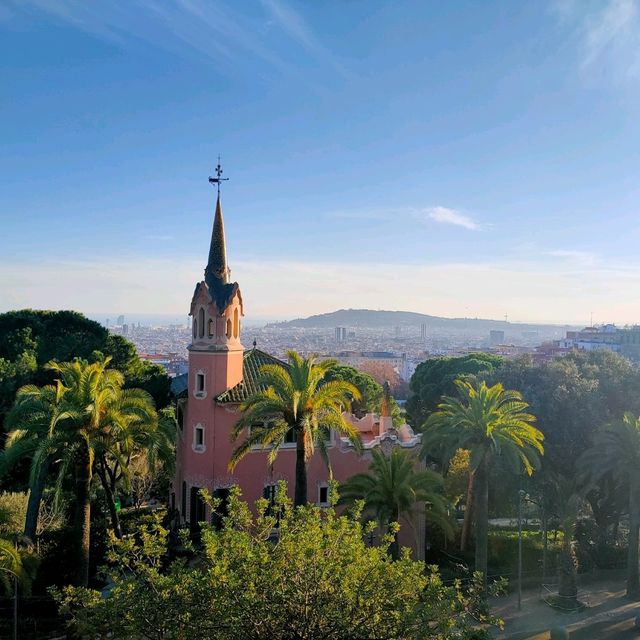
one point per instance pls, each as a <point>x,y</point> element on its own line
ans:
<point>482,518</point>
<point>633,578</point>
<point>301,469</point>
<point>468,512</point>
<point>35,497</point>
<point>567,581</point>
<point>83,516</point>
<point>111,503</point>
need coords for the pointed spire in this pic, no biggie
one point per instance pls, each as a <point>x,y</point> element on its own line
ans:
<point>217,265</point>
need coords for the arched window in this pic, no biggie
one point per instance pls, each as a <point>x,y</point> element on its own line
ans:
<point>211,328</point>
<point>229,329</point>
<point>195,328</point>
<point>236,323</point>
<point>201,321</point>
<point>183,503</point>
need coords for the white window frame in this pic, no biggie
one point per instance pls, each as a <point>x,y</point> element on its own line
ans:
<point>200,393</point>
<point>198,448</point>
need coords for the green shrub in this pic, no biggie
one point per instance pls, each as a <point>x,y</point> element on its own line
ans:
<point>13,510</point>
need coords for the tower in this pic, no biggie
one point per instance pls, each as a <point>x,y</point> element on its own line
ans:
<point>215,352</point>
<point>215,366</point>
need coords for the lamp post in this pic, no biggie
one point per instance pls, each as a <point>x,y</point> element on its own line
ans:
<point>521,495</point>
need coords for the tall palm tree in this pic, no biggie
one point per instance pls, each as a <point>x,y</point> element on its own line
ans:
<point>489,422</point>
<point>90,414</point>
<point>297,398</point>
<point>392,489</point>
<point>616,451</point>
<point>30,423</point>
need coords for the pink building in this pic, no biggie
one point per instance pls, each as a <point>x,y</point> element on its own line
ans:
<point>221,375</point>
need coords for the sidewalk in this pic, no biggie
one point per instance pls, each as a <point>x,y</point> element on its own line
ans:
<point>608,616</point>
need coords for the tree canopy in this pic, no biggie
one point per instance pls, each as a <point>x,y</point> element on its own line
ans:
<point>436,378</point>
<point>317,580</point>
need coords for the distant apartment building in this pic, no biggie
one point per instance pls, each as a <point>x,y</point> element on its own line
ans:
<point>625,340</point>
<point>423,331</point>
<point>341,334</point>
<point>496,337</point>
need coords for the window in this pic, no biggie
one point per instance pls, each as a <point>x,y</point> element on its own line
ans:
<point>323,495</point>
<point>198,438</point>
<point>291,436</point>
<point>200,383</point>
<point>195,328</point>
<point>183,504</point>
<point>236,323</point>
<point>211,328</point>
<point>228,328</point>
<point>201,322</point>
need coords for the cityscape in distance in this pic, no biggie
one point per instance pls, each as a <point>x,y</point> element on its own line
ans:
<point>367,338</point>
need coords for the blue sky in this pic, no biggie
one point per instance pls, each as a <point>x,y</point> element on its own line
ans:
<point>459,158</point>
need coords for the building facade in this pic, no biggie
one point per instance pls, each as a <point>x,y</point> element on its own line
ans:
<point>222,374</point>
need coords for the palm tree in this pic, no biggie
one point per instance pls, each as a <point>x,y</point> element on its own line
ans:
<point>295,398</point>
<point>616,451</point>
<point>30,423</point>
<point>393,487</point>
<point>90,413</point>
<point>489,422</point>
<point>566,499</point>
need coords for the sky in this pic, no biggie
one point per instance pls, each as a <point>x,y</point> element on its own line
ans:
<point>462,159</point>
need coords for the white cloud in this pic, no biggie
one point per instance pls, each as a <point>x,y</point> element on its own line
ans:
<point>451,216</point>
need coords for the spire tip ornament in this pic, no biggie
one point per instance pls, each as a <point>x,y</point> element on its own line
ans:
<point>218,179</point>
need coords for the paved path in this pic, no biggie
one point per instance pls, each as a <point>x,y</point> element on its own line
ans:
<point>608,616</point>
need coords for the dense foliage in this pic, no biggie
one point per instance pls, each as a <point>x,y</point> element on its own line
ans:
<point>316,580</point>
<point>31,338</point>
<point>436,377</point>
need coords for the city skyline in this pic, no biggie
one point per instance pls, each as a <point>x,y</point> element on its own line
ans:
<point>476,161</point>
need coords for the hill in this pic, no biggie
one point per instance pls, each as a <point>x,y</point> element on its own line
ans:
<point>374,319</point>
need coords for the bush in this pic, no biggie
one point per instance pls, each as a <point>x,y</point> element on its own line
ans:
<point>503,552</point>
<point>13,510</point>
<point>317,580</point>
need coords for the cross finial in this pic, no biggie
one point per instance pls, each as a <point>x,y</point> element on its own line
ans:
<point>218,179</point>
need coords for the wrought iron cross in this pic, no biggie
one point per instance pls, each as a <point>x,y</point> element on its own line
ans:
<point>218,179</point>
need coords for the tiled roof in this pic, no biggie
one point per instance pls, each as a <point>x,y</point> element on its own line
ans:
<point>253,360</point>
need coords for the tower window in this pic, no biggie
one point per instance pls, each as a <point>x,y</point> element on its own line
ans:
<point>198,438</point>
<point>229,329</point>
<point>236,323</point>
<point>195,328</point>
<point>211,328</point>
<point>201,322</point>
<point>199,383</point>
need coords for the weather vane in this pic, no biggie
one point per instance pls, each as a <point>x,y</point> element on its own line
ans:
<point>218,179</point>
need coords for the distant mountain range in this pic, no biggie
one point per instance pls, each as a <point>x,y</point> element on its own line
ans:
<point>368,318</point>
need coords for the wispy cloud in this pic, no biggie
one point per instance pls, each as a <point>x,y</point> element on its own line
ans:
<point>580,258</point>
<point>607,33</point>
<point>451,216</point>
<point>218,32</point>
<point>293,24</point>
